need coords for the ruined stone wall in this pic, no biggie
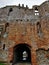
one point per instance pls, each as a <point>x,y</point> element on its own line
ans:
<point>28,33</point>
<point>17,13</point>
<point>19,30</point>
<point>44,8</point>
<point>42,57</point>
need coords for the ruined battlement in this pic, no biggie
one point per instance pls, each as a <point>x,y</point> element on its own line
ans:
<point>9,13</point>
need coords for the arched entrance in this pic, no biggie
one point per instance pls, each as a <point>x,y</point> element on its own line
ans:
<point>22,54</point>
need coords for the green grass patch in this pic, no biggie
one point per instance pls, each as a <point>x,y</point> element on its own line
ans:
<point>2,64</point>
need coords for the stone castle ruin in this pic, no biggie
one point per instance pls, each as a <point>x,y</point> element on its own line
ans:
<point>24,34</point>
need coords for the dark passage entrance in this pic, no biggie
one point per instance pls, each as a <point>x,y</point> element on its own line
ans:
<point>22,54</point>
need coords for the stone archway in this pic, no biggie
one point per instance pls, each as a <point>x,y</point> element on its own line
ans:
<point>22,54</point>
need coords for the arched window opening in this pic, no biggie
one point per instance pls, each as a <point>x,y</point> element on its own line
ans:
<point>10,10</point>
<point>36,8</point>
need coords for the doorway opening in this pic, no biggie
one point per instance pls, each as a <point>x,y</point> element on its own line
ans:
<point>22,54</point>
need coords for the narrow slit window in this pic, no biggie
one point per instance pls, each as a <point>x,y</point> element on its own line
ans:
<point>1,30</point>
<point>3,46</point>
<point>39,31</point>
<point>38,27</point>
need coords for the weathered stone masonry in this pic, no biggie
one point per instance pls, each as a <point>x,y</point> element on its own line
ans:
<point>21,25</point>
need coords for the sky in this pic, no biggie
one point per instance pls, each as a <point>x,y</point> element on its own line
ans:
<point>30,3</point>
